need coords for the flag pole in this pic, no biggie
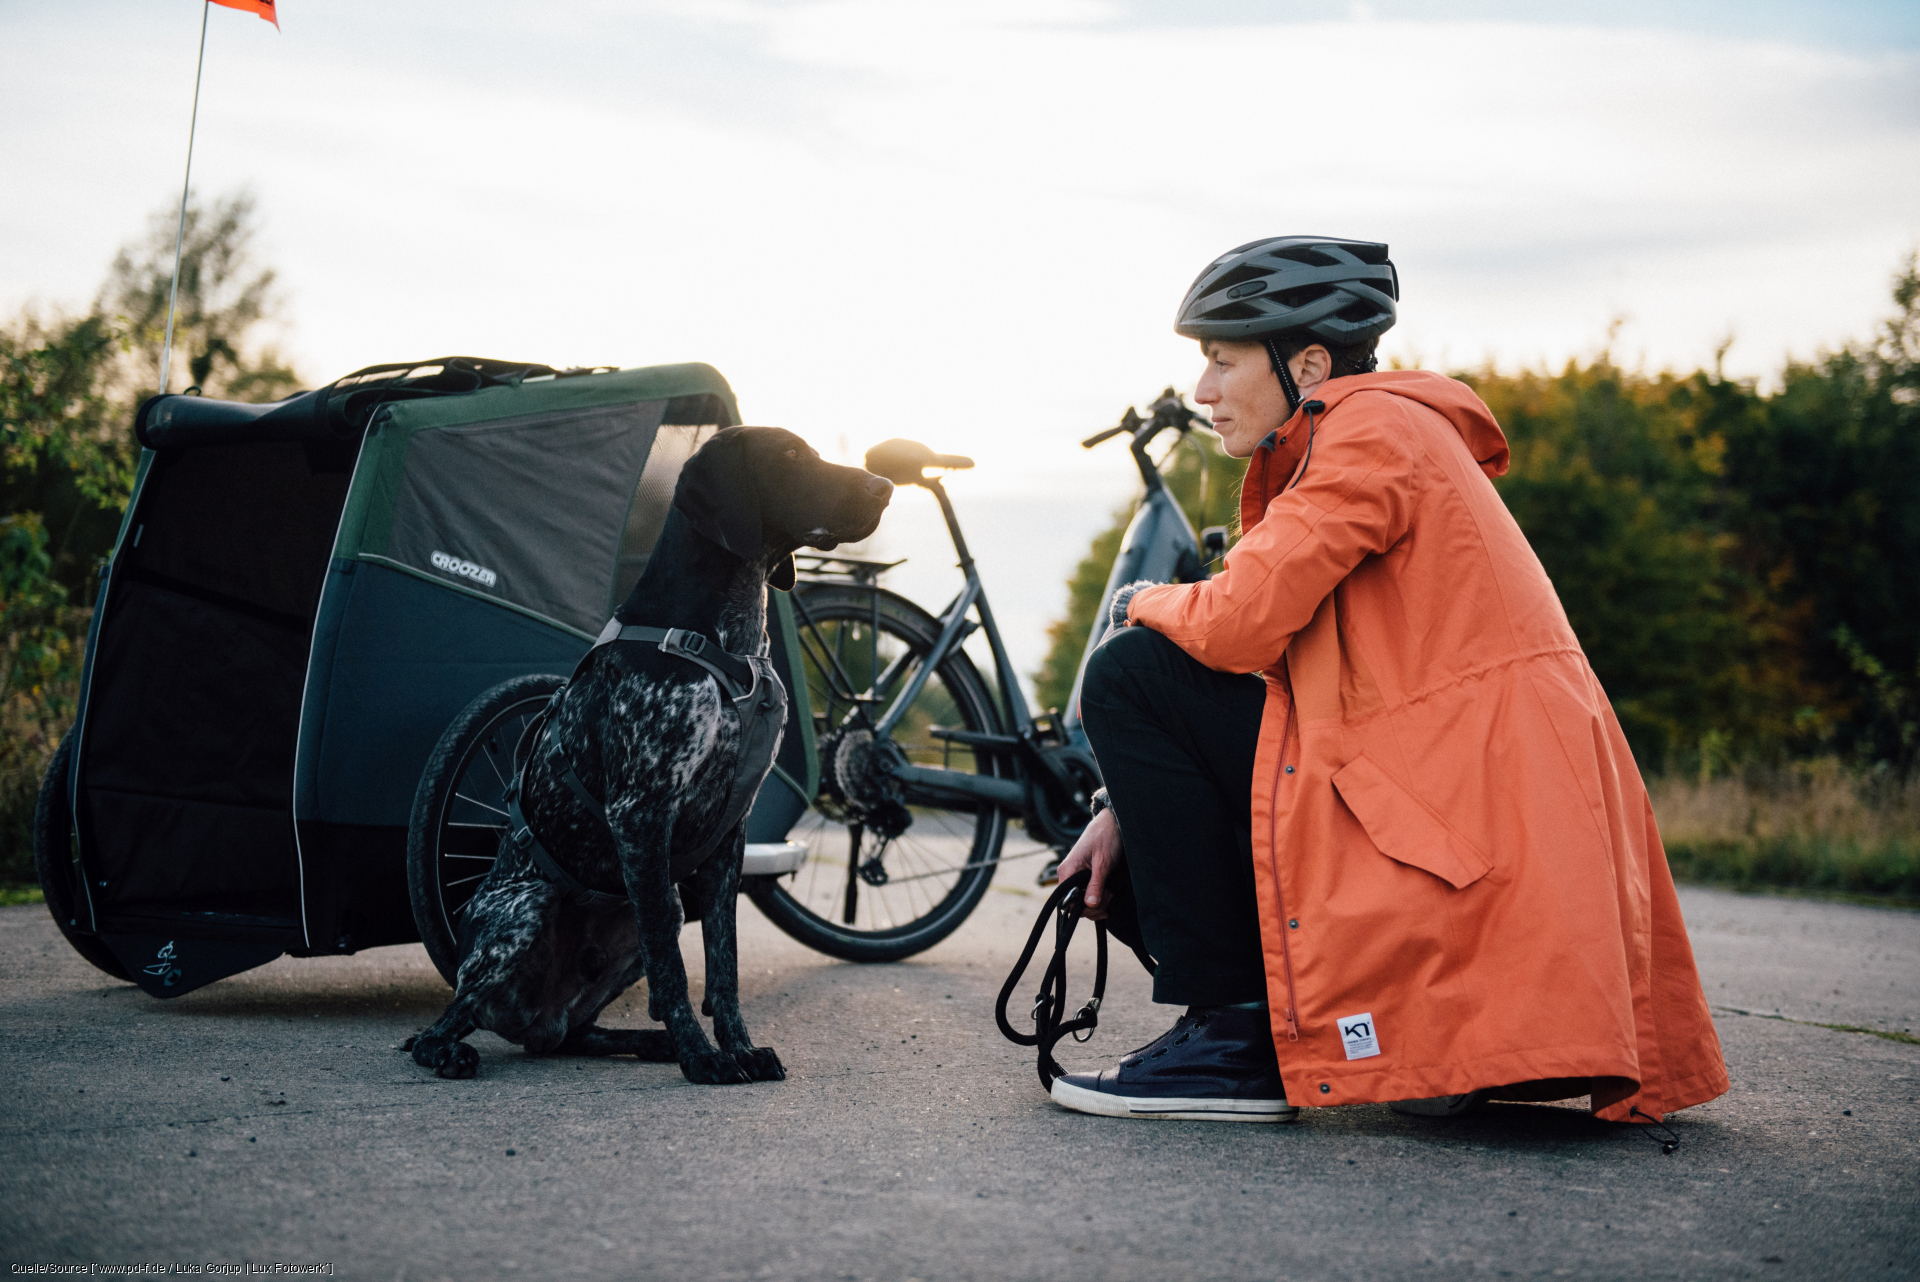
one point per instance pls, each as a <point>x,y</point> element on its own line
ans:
<point>180,236</point>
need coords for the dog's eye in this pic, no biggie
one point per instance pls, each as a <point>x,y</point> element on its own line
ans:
<point>793,454</point>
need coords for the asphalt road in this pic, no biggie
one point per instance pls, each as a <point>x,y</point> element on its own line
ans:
<point>269,1119</point>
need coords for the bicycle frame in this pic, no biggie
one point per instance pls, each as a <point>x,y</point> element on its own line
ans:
<point>1159,545</point>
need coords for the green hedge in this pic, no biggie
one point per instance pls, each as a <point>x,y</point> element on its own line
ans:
<point>1887,869</point>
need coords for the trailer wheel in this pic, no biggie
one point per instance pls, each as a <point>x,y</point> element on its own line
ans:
<point>460,810</point>
<point>56,861</point>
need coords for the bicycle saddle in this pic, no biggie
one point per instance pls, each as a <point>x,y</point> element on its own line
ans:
<point>902,462</point>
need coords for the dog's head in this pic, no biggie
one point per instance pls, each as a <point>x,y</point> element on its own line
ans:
<point>761,492</point>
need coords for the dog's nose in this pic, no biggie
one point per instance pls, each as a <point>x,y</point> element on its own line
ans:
<point>879,486</point>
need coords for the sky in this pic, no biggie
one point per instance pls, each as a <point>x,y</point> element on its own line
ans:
<point>969,223</point>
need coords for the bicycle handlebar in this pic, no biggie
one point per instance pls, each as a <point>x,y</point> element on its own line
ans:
<point>1129,423</point>
<point>1168,410</point>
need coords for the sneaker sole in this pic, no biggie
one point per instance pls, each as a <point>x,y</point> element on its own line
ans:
<point>1081,1100</point>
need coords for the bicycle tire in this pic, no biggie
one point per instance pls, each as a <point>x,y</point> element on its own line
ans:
<point>452,835</point>
<point>801,903</point>
<point>56,864</point>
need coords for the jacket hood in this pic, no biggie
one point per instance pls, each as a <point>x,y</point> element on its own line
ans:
<point>1453,399</point>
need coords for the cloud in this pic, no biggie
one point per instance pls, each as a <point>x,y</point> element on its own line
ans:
<point>971,222</point>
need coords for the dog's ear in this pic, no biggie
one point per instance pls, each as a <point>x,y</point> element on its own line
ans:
<point>781,575</point>
<point>717,494</point>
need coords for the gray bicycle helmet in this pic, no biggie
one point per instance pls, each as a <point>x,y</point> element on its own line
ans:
<point>1339,291</point>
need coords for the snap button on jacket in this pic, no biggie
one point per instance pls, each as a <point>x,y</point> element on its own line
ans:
<point>1442,798</point>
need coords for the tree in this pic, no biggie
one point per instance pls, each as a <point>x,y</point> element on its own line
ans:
<point>224,298</point>
<point>1824,496</point>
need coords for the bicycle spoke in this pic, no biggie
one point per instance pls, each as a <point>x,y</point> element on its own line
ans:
<point>491,751</point>
<point>483,805</point>
<point>833,658</point>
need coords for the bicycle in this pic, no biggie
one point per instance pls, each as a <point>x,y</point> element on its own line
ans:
<point>922,769</point>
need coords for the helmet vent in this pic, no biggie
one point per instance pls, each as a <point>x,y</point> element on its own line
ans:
<point>1304,295</point>
<point>1302,254</point>
<point>1241,275</point>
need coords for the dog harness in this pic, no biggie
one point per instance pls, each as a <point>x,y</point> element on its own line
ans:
<point>758,698</point>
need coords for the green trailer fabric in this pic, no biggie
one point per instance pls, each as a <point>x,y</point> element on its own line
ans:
<point>291,620</point>
<point>528,509</point>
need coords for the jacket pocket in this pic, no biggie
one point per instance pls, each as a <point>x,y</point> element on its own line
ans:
<point>1405,830</point>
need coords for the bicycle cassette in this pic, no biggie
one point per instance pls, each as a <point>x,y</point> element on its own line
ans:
<point>861,768</point>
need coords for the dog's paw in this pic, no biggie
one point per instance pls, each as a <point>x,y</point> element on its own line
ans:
<point>713,1068</point>
<point>460,1061</point>
<point>761,1063</point>
<point>447,1058</point>
<point>408,1044</point>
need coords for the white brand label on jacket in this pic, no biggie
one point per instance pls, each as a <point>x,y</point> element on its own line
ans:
<point>465,569</point>
<point>1358,1035</point>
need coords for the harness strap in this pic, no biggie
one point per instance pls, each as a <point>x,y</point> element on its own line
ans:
<point>1065,905</point>
<point>522,836</point>
<point>761,720</point>
<point>736,675</point>
<point>587,799</point>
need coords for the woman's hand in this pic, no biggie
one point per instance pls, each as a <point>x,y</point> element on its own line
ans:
<point>1098,849</point>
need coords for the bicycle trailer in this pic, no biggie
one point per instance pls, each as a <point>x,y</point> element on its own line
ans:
<point>302,596</point>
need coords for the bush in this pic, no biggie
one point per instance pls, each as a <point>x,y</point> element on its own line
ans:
<point>1815,825</point>
<point>40,653</point>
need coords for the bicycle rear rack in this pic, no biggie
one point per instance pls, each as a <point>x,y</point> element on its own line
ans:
<point>847,569</point>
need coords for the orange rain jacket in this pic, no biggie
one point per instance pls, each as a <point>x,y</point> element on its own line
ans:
<point>1460,881</point>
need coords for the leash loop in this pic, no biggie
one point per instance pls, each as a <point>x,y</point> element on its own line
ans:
<point>1065,906</point>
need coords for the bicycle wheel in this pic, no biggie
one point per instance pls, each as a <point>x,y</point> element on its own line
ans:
<point>886,875</point>
<point>56,862</point>
<point>460,810</point>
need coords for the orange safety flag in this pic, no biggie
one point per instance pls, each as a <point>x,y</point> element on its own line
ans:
<point>265,8</point>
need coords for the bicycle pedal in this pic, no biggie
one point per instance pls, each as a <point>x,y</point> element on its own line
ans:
<point>1050,875</point>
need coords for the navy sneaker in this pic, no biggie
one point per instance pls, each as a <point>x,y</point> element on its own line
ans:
<point>1215,1064</point>
<point>1442,1105</point>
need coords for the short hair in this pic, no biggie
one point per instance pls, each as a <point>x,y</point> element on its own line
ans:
<point>1348,358</point>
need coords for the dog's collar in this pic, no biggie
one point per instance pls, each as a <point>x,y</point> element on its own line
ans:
<point>736,675</point>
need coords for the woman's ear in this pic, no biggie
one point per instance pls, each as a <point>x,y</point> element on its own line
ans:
<point>717,494</point>
<point>1316,366</point>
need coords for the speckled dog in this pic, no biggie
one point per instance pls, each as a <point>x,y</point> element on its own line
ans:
<point>655,738</point>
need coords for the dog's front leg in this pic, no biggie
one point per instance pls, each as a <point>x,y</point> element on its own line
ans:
<point>718,885</point>
<point>442,1047</point>
<point>645,865</point>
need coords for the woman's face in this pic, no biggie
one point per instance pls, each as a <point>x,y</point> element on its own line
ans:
<point>1240,387</point>
<point>1243,392</point>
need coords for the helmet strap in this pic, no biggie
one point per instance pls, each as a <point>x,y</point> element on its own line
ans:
<point>1285,375</point>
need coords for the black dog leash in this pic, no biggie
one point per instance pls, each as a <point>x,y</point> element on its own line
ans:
<point>1066,906</point>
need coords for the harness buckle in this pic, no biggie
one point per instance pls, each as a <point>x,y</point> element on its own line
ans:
<point>680,641</point>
